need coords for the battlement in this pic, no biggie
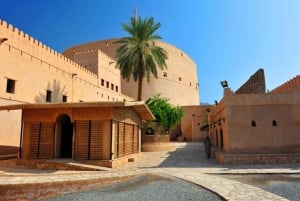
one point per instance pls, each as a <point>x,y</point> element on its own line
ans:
<point>287,86</point>
<point>255,84</point>
<point>94,51</point>
<point>26,44</point>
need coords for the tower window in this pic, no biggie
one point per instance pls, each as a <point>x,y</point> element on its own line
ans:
<point>64,98</point>
<point>112,86</point>
<point>48,96</point>
<point>179,79</point>
<point>274,123</point>
<point>102,82</point>
<point>253,123</point>
<point>10,86</point>
<point>107,84</point>
<point>165,74</point>
<point>117,89</point>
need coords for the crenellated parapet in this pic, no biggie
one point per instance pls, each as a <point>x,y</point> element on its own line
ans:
<point>255,84</point>
<point>287,86</point>
<point>21,42</point>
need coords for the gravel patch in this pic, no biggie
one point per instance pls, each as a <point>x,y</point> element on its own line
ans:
<point>149,187</point>
<point>285,185</point>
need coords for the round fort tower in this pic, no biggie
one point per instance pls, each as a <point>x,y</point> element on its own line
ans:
<point>178,83</point>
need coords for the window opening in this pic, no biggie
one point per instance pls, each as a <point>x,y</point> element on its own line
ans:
<point>253,123</point>
<point>64,98</point>
<point>48,96</point>
<point>10,86</point>
<point>274,123</point>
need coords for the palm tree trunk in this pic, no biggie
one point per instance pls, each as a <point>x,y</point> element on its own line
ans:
<point>140,79</point>
<point>140,86</point>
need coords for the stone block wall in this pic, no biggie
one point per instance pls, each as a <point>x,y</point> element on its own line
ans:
<point>238,159</point>
<point>287,86</point>
<point>255,84</point>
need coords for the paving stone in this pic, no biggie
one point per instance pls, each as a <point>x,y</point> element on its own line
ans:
<point>187,161</point>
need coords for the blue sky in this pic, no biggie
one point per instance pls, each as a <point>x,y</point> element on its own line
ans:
<point>227,39</point>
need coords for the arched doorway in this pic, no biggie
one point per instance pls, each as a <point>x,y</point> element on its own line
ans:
<point>64,137</point>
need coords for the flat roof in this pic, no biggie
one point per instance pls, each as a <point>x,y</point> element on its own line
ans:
<point>139,106</point>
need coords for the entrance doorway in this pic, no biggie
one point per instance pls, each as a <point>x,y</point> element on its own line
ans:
<point>64,137</point>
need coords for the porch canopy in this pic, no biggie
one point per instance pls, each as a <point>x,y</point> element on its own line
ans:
<point>139,106</point>
<point>81,131</point>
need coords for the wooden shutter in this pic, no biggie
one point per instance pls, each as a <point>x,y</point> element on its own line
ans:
<point>81,140</point>
<point>96,140</point>
<point>46,140</point>
<point>34,140</point>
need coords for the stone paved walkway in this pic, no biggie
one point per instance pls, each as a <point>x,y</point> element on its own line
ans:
<point>186,161</point>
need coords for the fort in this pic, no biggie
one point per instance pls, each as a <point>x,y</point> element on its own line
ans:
<point>32,72</point>
<point>246,126</point>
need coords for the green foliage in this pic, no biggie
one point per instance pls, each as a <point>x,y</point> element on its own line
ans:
<point>137,55</point>
<point>166,114</point>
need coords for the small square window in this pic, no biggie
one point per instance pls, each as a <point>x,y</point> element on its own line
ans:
<point>64,98</point>
<point>10,86</point>
<point>48,96</point>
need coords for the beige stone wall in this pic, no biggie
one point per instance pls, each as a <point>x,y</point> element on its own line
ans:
<point>194,117</point>
<point>178,82</point>
<point>287,86</point>
<point>257,123</point>
<point>35,68</point>
<point>10,132</point>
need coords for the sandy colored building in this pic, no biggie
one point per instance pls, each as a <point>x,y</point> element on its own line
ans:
<point>179,83</point>
<point>32,72</point>
<point>252,126</point>
<point>102,133</point>
<point>190,125</point>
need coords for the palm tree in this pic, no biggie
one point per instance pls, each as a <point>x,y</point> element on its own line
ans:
<point>138,55</point>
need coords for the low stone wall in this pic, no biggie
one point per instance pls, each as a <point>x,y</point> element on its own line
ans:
<point>237,159</point>
<point>118,162</point>
<point>61,164</point>
<point>153,143</point>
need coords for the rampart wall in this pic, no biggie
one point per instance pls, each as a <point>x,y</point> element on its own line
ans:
<point>25,44</point>
<point>287,86</point>
<point>255,84</point>
<point>30,69</point>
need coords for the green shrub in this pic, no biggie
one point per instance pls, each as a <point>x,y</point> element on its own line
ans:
<point>167,115</point>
